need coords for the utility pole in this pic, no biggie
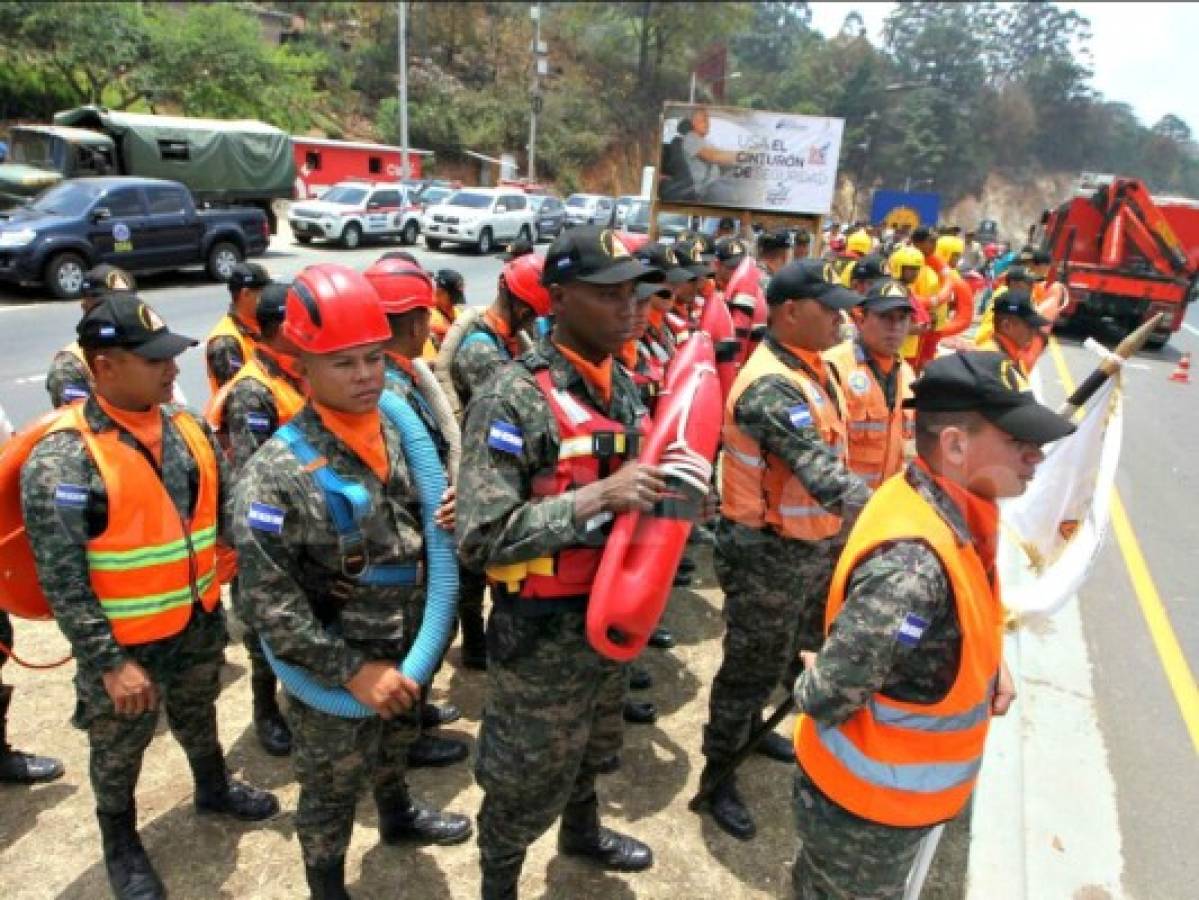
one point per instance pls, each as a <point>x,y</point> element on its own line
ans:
<point>402,41</point>
<point>539,68</point>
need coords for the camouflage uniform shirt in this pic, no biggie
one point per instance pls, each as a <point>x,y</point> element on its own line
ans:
<point>223,354</point>
<point>402,385</point>
<point>250,415</point>
<point>68,379</point>
<point>478,362</point>
<point>862,655</point>
<point>59,533</point>
<point>291,588</point>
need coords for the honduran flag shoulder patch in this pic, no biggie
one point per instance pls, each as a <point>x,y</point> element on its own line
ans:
<point>259,422</point>
<point>505,437</point>
<point>262,517</point>
<point>911,630</point>
<point>74,392</point>
<point>72,496</point>
<point>800,415</point>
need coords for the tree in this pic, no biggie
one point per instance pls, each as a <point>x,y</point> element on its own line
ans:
<point>1172,127</point>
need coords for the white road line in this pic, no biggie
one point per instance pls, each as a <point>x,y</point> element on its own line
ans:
<point>4,309</point>
<point>1191,328</point>
<point>30,379</point>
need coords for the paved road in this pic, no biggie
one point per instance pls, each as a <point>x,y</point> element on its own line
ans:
<point>1143,688</point>
<point>33,327</point>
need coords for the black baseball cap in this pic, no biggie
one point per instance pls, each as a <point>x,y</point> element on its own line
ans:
<point>707,247</point>
<point>123,321</point>
<point>885,295</point>
<point>663,257</point>
<point>730,251</point>
<point>869,267</point>
<point>691,254</point>
<point>517,249</point>
<point>593,255</point>
<point>802,236</point>
<point>810,279</point>
<point>779,239</point>
<point>104,279</point>
<point>646,289</point>
<point>272,303</point>
<point>988,383</point>
<point>1017,301</point>
<point>1022,275</point>
<point>451,281</point>
<point>248,275</point>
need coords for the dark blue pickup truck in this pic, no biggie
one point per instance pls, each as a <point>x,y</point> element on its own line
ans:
<point>140,224</point>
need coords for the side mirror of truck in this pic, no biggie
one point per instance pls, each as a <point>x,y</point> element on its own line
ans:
<point>101,214</point>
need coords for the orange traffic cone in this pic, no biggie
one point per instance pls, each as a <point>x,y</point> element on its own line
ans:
<point>1182,372</point>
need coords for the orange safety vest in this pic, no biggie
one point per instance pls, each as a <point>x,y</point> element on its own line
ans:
<point>288,401</point>
<point>1024,360</point>
<point>226,327</point>
<point>911,764</point>
<point>879,438</point>
<point>759,489</point>
<point>150,564</point>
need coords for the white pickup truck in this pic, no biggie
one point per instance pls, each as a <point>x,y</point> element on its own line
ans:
<point>484,217</point>
<point>353,210</point>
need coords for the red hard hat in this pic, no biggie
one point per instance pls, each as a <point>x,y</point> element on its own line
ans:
<point>330,307</point>
<point>990,251</point>
<point>836,243</point>
<point>402,286</point>
<point>522,277</point>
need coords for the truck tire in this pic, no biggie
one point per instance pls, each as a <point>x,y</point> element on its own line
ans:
<point>525,234</point>
<point>351,237</point>
<point>64,275</point>
<point>222,257</point>
<point>432,243</point>
<point>410,233</point>
<point>486,243</point>
<point>303,238</point>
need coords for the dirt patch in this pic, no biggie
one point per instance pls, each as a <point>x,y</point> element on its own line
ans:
<point>49,845</point>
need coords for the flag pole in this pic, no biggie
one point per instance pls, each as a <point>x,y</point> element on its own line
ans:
<point>1109,366</point>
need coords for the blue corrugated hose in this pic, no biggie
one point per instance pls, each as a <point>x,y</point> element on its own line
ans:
<point>441,604</point>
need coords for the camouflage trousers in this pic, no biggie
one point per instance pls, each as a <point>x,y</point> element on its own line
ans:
<point>551,715</point>
<point>335,759</point>
<point>260,669</point>
<point>186,671</point>
<point>6,638</point>
<point>844,857</point>
<point>775,591</point>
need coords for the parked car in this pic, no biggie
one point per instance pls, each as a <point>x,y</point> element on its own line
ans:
<point>587,209</point>
<point>433,193</point>
<point>140,224</point>
<point>551,215</point>
<point>353,210</point>
<point>670,225</point>
<point>484,217</point>
<point>621,207</point>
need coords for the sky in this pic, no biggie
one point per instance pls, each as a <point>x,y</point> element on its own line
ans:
<point>1144,53</point>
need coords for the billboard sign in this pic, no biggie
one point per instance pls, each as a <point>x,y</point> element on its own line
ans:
<point>904,209</point>
<point>748,159</point>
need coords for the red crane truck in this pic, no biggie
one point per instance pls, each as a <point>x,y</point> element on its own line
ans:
<point>1123,255</point>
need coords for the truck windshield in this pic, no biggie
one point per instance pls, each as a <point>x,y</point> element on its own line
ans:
<point>33,149</point>
<point>578,202</point>
<point>637,215</point>
<point>471,201</point>
<point>351,196</point>
<point>69,199</point>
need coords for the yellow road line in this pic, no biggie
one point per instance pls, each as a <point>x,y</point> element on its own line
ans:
<point>1178,672</point>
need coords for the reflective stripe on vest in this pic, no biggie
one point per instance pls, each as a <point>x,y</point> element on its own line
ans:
<point>880,438</point>
<point>590,446</point>
<point>759,489</point>
<point>226,327</point>
<point>911,764</point>
<point>145,568</point>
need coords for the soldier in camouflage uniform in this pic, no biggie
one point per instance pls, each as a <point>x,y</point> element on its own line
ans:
<point>230,344</point>
<point>244,414</point>
<point>134,651</point>
<point>69,378</point>
<point>345,613</point>
<point>406,293</point>
<point>488,346</point>
<point>787,497</point>
<point>535,521</point>
<point>914,614</point>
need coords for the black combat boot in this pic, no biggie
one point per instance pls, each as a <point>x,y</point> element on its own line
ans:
<point>269,724</point>
<point>581,835</point>
<point>432,752</point>
<point>17,766</point>
<point>328,880</point>
<point>130,874</point>
<point>218,792</point>
<point>727,808</point>
<point>662,638</point>
<point>500,880</point>
<point>640,712</point>
<point>434,716</point>
<point>640,679</point>
<point>776,747</point>
<point>401,820</point>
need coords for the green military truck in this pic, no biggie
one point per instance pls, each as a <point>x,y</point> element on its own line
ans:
<point>223,163</point>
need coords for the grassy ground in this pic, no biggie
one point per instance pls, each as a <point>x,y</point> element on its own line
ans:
<point>49,844</point>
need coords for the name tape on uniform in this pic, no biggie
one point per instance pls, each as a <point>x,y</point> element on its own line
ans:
<point>74,392</point>
<point>911,630</point>
<point>265,518</point>
<point>258,422</point>
<point>70,495</point>
<point>801,416</point>
<point>506,438</point>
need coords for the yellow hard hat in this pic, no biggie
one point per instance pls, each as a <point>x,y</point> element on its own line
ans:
<point>904,257</point>
<point>859,242</point>
<point>947,246</point>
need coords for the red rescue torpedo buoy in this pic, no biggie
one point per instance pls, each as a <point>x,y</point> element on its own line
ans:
<point>717,323</point>
<point>20,592</point>
<point>634,578</point>
<point>747,304</point>
<point>696,352</point>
